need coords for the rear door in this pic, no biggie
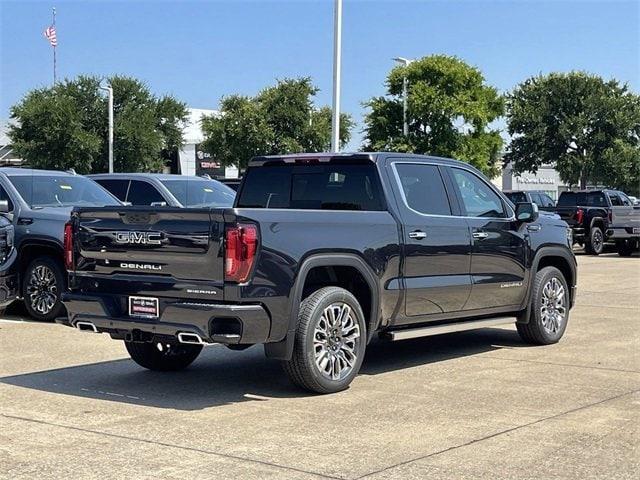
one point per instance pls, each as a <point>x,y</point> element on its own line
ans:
<point>436,242</point>
<point>499,251</point>
<point>167,252</point>
<point>623,213</point>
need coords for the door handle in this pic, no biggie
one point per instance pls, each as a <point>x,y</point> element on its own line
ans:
<point>25,221</point>
<point>480,235</point>
<point>418,235</point>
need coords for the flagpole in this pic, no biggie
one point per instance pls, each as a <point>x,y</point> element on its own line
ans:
<point>54,48</point>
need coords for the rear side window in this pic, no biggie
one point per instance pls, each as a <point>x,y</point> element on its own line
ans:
<point>516,197</point>
<point>596,199</point>
<point>312,187</point>
<point>143,193</point>
<point>117,188</point>
<point>423,188</point>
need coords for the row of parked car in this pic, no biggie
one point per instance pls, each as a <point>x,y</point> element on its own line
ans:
<point>35,204</point>
<point>595,217</point>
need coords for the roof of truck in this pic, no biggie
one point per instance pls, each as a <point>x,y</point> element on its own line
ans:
<point>32,171</point>
<point>356,156</point>
<point>158,176</point>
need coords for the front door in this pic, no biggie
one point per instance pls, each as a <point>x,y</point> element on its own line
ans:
<point>499,251</point>
<point>436,243</point>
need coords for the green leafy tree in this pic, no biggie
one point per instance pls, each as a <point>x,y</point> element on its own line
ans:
<point>587,128</point>
<point>280,119</point>
<point>65,126</point>
<point>449,111</point>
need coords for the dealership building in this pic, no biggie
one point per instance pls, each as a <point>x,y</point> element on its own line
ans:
<point>546,179</point>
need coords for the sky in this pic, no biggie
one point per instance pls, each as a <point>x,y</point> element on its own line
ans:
<point>202,50</point>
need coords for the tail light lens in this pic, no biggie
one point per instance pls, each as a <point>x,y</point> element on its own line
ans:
<point>68,246</point>
<point>579,216</point>
<point>241,242</point>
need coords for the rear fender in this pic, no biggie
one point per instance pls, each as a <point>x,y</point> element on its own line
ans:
<point>283,350</point>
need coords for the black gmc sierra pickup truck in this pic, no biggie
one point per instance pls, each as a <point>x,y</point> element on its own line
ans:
<point>320,253</point>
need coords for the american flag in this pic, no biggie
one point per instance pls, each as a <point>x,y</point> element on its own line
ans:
<point>50,34</point>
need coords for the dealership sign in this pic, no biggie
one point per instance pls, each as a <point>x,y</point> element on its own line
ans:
<point>207,164</point>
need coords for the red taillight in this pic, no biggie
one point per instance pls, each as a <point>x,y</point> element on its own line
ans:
<point>579,215</point>
<point>241,242</point>
<point>68,246</point>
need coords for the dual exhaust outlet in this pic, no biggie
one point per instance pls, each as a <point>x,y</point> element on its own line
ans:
<point>183,337</point>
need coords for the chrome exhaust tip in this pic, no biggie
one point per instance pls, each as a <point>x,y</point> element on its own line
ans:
<point>190,338</point>
<point>86,327</point>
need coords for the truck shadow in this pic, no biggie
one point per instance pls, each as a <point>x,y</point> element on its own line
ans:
<point>221,376</point>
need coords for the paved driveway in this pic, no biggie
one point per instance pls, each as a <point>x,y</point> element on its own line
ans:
<point>473,404</point>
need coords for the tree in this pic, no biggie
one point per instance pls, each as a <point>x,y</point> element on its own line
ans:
<point>280,119</point>
<point>65,126</point>
<point>450,108</point>
<point>587,128</point>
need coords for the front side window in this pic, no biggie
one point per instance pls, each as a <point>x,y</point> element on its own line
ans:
<point>615,200</point>
<point>195,192</point>
<point>40,191</point>
<point>317,187</point>
<point>478,198</point>
<point>423,188</point>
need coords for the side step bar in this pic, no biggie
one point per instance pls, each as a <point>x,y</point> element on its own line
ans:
<point>462,326</point>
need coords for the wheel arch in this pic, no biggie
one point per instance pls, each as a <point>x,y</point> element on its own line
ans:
<point>31,249</point>
<point>551,256</point>
<point>339,263</point>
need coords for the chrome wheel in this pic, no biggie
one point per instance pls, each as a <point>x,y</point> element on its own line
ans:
<point>336,339</point>
<point>553,308</point>
<point>597,241</point>
<point>42,289</point>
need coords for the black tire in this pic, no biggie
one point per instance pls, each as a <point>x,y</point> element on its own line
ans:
<point>535,331</point>
<point>625,248</point>
<point>172,358</point>
<point>594,244</point>
<point>302,369</point>
<point>43,282</point>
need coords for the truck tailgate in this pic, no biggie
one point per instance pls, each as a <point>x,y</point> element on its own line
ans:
<point>167,252</point>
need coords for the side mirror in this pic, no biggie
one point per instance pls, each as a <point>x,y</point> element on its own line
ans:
<point>4,206</point>
<point>526,212</point>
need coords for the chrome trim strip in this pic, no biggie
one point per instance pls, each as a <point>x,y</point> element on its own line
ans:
<point>493,188</point>
<point>448,328</point>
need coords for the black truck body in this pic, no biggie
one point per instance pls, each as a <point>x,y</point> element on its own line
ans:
<point>304,226</point>
<point>600,216</point>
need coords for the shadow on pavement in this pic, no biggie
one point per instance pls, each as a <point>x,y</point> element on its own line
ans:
<point>221,376</point>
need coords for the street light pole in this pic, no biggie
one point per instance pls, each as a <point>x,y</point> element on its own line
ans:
<point>109,89</point>
<point>405,94</point>
<point>337,47</point>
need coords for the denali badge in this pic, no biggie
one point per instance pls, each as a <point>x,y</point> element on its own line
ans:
<point>511,285</point>
<point>141,238</point>
<point>140,266</point>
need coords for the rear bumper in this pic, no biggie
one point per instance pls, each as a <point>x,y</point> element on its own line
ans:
<point>214,323</point>
<point>622,233</point>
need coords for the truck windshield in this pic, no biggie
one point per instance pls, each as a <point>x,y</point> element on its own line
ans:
<point>200,193</point>
<point>40,191</point>
<point>312,187</point>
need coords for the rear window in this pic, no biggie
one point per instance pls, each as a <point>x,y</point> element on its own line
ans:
<point>582,199</point>
<point>312,187</point>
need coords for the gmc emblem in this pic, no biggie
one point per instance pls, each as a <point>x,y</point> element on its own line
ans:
<point>139,238</point>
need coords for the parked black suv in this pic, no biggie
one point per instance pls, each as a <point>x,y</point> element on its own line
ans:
<point>39,203</point>
<point>540,198</point>
<point>156,189</point>
<point>321,253</point>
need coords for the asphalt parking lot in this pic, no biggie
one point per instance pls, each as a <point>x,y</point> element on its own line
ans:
<point>474,404</point>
